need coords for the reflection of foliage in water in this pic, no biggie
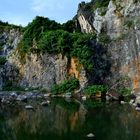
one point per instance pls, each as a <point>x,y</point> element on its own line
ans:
<point>56,122</point>
<point>89,104</point>
<point>70,106</point>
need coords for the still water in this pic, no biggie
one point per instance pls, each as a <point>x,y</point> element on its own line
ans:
<point>69,120</point>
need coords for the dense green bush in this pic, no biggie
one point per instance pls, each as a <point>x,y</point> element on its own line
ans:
<point>69,106</point>
<point>2,60</point>
<point>94,4</point>
<point>67,86</point>
<point>100,3</point>
<point>34,31</point>
<point>93,89</point>
<point>10,86</point>
<point>7,26</point>
<point>104,38</point>
<point>129,23</point>
<point>55,42</point>
<point>82,49</point>
<point>70,44</point>
<point>50,37</point>
<point>69,26</point>
<point>46,36</point>
<point>124,91</point>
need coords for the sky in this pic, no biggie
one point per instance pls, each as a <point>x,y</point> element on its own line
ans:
<point>21,12</point>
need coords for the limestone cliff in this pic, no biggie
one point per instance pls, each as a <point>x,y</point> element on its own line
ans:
<point>34,70</point>
<point>120,21</point>
<point>117,20</point>
<point>9,39</point>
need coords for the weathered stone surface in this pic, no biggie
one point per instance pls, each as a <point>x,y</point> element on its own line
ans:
<point>121,22</point>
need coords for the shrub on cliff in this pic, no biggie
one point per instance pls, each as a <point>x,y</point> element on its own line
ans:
<point>34,31</point>
<point>124,91</point>
<point>55,42</point>
<point>67,86</point>
<point>2,60</point>
<point>69,44</point>
<point>93,89</point>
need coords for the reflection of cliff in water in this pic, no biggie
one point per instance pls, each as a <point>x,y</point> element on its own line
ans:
<point>52,121</point>
<point>69,120</point>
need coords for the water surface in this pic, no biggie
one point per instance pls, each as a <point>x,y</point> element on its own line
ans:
<point>65,120</point>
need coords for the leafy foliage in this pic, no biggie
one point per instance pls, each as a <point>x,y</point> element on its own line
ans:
<point>124,91</point>
<point>93,89</point>
<point>92,104</point>
<point>94,4</point>
<point>69,44</point>
<point>46,36</point>
<point>100,3</point>
<point>2,60</point>
<point>104,38</point>
<point>68,106</point>
<point>7,26</point>
<point>55,42</point>
<point>34,31</point>
<point>67,86</point>
<point>69,26</point>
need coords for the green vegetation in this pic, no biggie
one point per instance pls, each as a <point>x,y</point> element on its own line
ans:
<point>101,3</point>
<point>1,44</point>
<point>7,26</point>
<point>9,86</point>
<point>67,86</point>
<point>93,89</point>
<point>94,4</point>
<point>55,42</point>
<point>2,60</point>
<point>90,104</point>
<point>124,91</point>
<point>70,26</point>
<point>47,36</point>
<point>129,23</point>
<point>104,38</point>
<point>35,29</point>
<point>44,35</point>
<point>69,44</point>
<point>13,88</point>
<point>68,106</point>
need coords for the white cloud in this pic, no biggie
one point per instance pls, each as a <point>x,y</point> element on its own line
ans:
<point>38,5</point>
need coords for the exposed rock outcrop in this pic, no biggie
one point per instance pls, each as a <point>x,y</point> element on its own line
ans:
<point>121,23</point>
<point>9,39</point>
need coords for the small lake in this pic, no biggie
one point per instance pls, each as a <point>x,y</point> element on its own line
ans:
<point>69,120</point>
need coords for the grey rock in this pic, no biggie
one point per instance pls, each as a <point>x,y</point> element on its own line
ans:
<point>22,98</point>
<point>68,95</point>
<point>13,94</point>
<point>123,102</point>
<point>47,95</point>
<point>45,103</point>
<point>131,101</point>
<point>90,135</point>
<point>84,98</point>
<point>124,49</point>
<point>137,108</point>
<point>29,107</point>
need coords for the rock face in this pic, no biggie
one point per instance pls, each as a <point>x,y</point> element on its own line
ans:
<point>119,20</point>
<point>38,70</point>
<point>41,70</point>
<point>9,39</point>
<point>45,70</point>
<point>121,23</point>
